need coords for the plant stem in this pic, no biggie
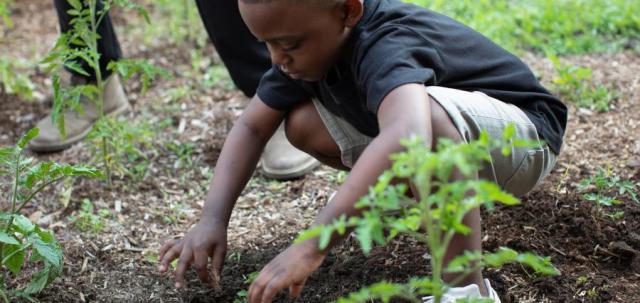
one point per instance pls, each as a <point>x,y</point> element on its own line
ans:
<point>4,296</point>
<point>40,188</point>
<point>14,195</point>
<point>465,274</point>
<point>14,253</point>
<point>95,21</point>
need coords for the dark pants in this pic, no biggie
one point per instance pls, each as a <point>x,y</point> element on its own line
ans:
<point>245,58</point>
<point>108,45</point>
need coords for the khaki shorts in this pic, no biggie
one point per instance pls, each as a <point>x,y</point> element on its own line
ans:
<point>471,112</point>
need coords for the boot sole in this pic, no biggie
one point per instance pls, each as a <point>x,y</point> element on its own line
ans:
<point>52,148</point>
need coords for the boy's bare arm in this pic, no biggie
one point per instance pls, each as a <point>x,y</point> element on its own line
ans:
<point>406,111</point>
<point>235,165</point>
<point>240,154</point>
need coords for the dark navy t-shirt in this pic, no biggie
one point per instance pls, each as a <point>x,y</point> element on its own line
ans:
<point>397,43</point>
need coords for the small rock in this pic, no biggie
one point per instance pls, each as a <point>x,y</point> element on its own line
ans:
<point>585,112</point>
<point>633,164</point>
<point>584,115</point>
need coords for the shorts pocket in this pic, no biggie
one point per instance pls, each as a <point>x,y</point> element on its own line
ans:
<point>528,173</point>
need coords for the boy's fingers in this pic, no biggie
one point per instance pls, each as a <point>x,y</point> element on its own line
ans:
<point>271,290</point>
<point>217,263</point>
<point>167,245</point>
<point>185,259</point>
<point>296,289</point>
<point>257,287</point>
<point>168,257</point>
<point>200,262</point>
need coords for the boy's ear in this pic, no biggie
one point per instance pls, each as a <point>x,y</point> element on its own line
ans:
<point>352,11</point>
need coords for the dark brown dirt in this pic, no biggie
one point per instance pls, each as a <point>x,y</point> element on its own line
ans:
<point>596,255</point>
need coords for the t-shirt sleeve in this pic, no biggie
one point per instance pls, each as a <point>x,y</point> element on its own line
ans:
<point>280,92</point>
<point>391,57</point>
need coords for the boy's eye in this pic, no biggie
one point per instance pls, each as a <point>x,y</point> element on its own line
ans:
<point>290,46</point>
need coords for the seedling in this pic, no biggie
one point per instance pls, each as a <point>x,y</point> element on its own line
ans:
<point>80,44</point>
<point>183,152</point>
<point>242,296</point>
<point>439,211</point>
<point>20,240</point>
<point>124,141</point>
<point>13,80</point>
<point>606,189</point>
<point>574,83</point>
<point>235,256</point>
<point>86,220</point>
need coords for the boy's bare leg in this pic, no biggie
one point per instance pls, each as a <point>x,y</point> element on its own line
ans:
<point>443,127</point>
<point>307,132</point>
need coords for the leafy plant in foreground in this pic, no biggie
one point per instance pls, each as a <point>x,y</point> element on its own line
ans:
<point>80,44</point>
<point>434,218</point>
<point>20,240</point>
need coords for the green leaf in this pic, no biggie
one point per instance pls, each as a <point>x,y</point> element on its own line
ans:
<point>310,234</point>
<point>39,281</point>
<point>13,257</point>
<point>28,137</point>
<point>509,132</point>
<point>23,225</point>
<point>76,4</point>
<point>45,236</point>
<point>325,238</point>
<point>8,239</point>
<point>50,252</point>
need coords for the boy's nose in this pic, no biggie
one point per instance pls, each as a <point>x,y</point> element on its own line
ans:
<point>280,58</point>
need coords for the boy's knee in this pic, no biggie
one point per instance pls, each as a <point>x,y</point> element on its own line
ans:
<point>299,124</point>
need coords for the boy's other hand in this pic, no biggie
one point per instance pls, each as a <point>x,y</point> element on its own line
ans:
<point>291,268</point>
<point>207,239</point>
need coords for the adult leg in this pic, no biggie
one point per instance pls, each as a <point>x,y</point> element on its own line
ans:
<point>108,45</point>
<point>247,60</point>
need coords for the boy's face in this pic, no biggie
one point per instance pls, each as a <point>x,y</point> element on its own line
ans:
<point>304,39</point>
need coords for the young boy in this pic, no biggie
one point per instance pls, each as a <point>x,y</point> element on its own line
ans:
<point>351,78</point>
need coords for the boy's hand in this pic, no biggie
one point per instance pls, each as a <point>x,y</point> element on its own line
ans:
<point>207,239</point>
<point>291,268</point>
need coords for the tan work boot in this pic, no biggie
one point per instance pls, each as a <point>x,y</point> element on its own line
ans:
<point>78,126</point>
<point>282,161</point>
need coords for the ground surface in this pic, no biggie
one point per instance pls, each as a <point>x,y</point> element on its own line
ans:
<point>117,264</point>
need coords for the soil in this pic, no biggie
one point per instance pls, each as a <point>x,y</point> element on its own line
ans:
<point>598,256</point>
